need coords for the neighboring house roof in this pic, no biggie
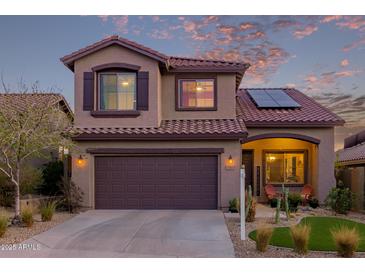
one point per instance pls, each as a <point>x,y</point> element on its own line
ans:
<point>310,114</point>
<point>170,129</point>
<point>169,62</point>
<point>352,155</point>
<point>21,100</point>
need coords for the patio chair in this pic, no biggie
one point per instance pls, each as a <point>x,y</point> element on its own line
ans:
<point>271,192</point>
<point>306,193</point>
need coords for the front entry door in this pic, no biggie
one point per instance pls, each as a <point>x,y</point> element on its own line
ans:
<point>247,160</point>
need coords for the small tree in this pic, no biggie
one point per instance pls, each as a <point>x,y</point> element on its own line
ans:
<point>29,128</point>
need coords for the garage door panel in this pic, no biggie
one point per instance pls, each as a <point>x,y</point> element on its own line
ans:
<point>156,182</point>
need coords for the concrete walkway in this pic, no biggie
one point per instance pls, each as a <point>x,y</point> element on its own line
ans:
<point>134,233</point>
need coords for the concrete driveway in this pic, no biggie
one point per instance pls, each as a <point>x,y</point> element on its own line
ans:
<point>134,233</point>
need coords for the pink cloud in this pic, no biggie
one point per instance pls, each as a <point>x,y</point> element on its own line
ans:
<point>330,18</point>
<point>352,22</point>
<point>281,24</point>
<point>305,31</point>
<point>326,80</point>
<point>103,18</point>
<point>121,23</point>
<point>247,26</point>
<point>355,44</point>
<point>160,34</point>
<point>344,63</point>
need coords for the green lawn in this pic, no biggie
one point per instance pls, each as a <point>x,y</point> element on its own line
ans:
<point>320,238</point>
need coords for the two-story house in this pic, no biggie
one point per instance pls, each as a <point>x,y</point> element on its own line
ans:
<point>162,132</point>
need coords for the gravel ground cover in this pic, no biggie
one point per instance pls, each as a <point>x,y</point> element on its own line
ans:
<point>18,234</point>
<point>247,248</point>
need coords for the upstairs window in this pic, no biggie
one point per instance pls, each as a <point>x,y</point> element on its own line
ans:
<point>117,91</point>
<point>196,94</point>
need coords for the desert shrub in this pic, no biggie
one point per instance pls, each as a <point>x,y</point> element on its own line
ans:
<point>346,240</point>
<point>313,202</point>
<point>300,235</point>
<point>72,196</point>
<point>52,173</point>
<point>6,192</point>
<point>294,200</point>
<point>27,216</point>
<point>273,202</point>
<point>263,237</point>
<point>340,199</point>
<point>234,205</point>
<point>3,225</point>
<point>30,179</point>
<point>252,211</point>
<point>47,210</point>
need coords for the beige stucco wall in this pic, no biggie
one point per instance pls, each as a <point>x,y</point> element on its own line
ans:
<point>228,179</point>
<point>281,144</point>
<point>117,54</point>
<point>226,102</point>
<point>322,158</point>
<point>161,92</point>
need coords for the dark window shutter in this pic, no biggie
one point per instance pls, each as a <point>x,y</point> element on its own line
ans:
<point>88,91</point>
<point>142,90</point>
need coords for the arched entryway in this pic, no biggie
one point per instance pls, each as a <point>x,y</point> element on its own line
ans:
<point>280,159</point>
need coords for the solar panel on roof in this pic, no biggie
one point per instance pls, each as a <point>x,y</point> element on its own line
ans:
<point>272,98</point>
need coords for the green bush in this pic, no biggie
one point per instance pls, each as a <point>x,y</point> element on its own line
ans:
<point>340,199</point>
<point>30,179</point>
<point>313,203</point>
<point>6,192</point>
<point>51,178</point>
<point>234,205</point>
<point>3,225</point>
<point>27,216</point>
<point>47,210</point>
<point>294,199</point>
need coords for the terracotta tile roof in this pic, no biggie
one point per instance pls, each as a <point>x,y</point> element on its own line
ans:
<point>212,128</point>
<point>172,62</point>
<point>20,101</point>
<point>114,39</point>
<point>352,155</point>
<point>205,64</point>
<point>310,114</point>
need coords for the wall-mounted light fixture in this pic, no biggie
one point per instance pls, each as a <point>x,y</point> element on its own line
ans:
<point>80,161</point>
<point>230,162</point>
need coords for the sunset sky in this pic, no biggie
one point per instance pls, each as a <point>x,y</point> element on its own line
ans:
<point>323,56</point>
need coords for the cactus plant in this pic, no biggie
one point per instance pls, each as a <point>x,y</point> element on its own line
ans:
<point>277,213</point>
<point>286,201</point>
<point>248,200</point>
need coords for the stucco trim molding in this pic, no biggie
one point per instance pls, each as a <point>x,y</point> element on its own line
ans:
<point>283,135</point>
<point>155,137</point>
<point>114,114</point>
<point>115,66</point>
<point>155,151</point>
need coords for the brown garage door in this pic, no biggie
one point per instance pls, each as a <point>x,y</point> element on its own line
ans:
<point>156,182</point>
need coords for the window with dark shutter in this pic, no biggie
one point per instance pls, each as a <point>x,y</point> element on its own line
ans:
<point>142,90</point>
<point>88,101</point>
